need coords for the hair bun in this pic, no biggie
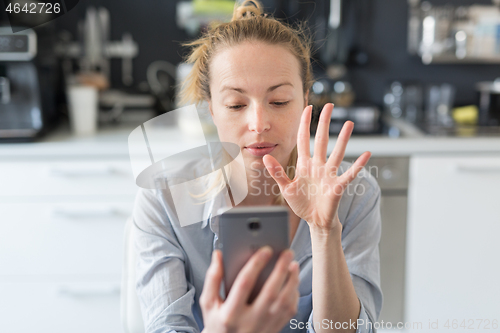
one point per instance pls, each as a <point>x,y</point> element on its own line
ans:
<point>248,9</point>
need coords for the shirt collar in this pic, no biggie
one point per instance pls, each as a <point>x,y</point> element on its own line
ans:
<point>211,209</point>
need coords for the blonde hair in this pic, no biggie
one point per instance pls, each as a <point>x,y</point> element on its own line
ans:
<point>249,23</point>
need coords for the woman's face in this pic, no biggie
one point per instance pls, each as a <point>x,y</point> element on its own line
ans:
<point>257,100</point>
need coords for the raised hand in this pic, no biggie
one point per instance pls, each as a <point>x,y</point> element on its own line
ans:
<point>315,192</point>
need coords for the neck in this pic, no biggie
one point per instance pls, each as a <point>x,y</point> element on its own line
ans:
<point>262,189</point>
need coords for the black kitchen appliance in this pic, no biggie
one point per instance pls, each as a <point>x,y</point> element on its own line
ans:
<point>21,112</point>
<point>489,103</point>
<point>334,25</point>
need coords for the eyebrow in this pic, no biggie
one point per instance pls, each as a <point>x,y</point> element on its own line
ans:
<point>268,89</point>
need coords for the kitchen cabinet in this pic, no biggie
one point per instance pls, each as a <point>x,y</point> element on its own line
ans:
<point>60,305</point>
<point>392,256</point>
<point>60,238</point>
<point>83,177</point>
<point>452,249</point>
<point>61,242</point>
<point>391,174</point>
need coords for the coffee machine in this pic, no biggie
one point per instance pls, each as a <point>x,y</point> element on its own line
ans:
<point>20,101</point>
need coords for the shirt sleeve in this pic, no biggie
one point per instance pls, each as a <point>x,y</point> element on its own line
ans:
<point>364,323</point>
<point>362,229</point>
<point>165,295</point>
<point>359,214</point>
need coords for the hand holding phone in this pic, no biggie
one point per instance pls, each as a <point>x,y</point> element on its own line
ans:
<point>272,309</point>
<point>243,231</point>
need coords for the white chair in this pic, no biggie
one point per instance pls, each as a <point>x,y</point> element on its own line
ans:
<point>130,310</point>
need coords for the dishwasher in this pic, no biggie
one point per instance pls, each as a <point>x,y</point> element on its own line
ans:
<point>392,176</point>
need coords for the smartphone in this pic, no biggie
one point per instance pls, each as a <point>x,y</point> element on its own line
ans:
<point>242,231</point>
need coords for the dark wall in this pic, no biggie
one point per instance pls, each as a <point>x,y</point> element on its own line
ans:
<point>383,36</point>
<point>151,23</point>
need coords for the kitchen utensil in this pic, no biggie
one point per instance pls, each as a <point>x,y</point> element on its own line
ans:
<point>83,105</point>
<point>439,103</point>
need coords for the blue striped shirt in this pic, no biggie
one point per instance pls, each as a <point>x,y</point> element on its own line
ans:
<point>173,260</point>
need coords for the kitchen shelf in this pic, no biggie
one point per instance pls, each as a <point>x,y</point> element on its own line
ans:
<point>454,33</point>
<point>451,59</point>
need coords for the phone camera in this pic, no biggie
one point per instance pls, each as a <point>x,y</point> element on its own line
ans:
<point>254,225</point>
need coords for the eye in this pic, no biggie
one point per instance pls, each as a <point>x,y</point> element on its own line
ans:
<point>234,107</point>
<point>281,103</point>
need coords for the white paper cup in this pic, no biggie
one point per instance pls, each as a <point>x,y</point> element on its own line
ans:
<point>82,105</point>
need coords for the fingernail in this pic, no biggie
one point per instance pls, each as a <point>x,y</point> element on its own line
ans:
<point>266,251</point>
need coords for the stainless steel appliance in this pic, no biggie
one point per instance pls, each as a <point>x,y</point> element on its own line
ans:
<point>94,49</point>
<point>20,101</point>
<point>392,176</point>
<point>366,118</point>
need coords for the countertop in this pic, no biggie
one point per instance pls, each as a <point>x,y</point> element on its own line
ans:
<point>112,141</point>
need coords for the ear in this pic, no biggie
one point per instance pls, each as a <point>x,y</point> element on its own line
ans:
<point>211,111</point>
<point>306,99</point>
<point>210,107</point>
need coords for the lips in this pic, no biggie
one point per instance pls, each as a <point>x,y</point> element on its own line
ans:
<point>260,148</point>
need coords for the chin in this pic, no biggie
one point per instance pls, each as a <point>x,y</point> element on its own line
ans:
<point>255,163</point>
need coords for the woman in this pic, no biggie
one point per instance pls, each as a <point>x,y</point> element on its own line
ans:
<point>255,74</point>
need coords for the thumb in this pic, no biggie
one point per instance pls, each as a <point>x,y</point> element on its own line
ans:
<point>213,279</point>
<point>276,171</point>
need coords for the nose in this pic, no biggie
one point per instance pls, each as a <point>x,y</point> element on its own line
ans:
<point>259,121</point>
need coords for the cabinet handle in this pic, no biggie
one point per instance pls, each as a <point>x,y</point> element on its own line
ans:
<point>478,168</point>
<point>83,172</point>
<point>88,290</point>
<point>84,213</point>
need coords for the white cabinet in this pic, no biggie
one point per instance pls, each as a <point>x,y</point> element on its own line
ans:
<point>61,242</point>
<point>66,177</point>
<point>60,238</point>
<point>60,305</point>
<point>453,243</point>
